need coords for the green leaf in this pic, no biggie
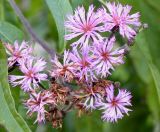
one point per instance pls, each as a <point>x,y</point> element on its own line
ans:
<point>1,9</point>
<point>9,117</point>
<point>59,10</point>
<point>9,33</point>
<point>142,45</point>
<point>148,72</point>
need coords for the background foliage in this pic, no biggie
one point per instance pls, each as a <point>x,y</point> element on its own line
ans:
<point>140,74</point>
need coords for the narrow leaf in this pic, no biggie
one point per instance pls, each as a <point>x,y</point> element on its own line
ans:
<point>59,10</point>
<point>9,117</point>
<point>142,44</point>
<point>9,33</point>
<point>148,74</point>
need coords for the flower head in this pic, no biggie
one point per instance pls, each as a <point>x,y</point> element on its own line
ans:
<point>119,16</point>
<point>65,70</point>
<point>37,103</point>
<point>84,25</point>
<point>84,64</point>
<point>115,106</point>
<point>18,52</point>
<point>32,69</point>
<point>105,57</point>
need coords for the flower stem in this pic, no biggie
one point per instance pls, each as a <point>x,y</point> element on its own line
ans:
<point>29,29</point>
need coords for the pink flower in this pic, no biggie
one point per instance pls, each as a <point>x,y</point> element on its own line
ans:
<point>119,16</point>
<point>105,57</point>
<point>65,70</point>
<point>84,25</point>
<point>37,103</point>
<point>83,61</point>
<point>31,68</point>
<point>17,53</point>
<point>115,106</point>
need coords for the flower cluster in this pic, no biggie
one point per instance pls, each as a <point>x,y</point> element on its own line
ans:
<point>93,56</point>
<point>31,67</point>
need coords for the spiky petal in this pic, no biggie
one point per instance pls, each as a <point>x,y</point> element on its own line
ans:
<point>119,16</point>
<point>18,52</point>
<point>32,70</point>
<point>84,25</point>
<point>105,57</point>
<point>115,106</point>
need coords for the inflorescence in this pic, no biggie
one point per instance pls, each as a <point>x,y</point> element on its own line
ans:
<point>87,66</point>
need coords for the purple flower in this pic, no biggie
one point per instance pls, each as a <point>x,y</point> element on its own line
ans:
<point>115,106</point>
<point>18,52</point>
<point>65,70</point>
<point>84,25</point>
<point>31,68</point>
<point>105,57</point>
<point>119,16</point>
<point>84,64</point>
<point>37,103</point>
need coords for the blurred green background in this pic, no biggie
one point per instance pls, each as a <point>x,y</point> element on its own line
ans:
<point>140,74</point>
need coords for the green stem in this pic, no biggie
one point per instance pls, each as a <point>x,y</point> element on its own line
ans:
<point>29,29</point>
